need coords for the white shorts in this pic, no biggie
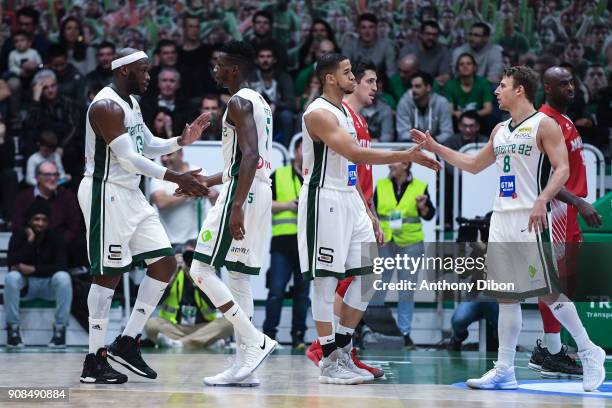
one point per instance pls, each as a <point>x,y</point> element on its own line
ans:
<point>335,234</point>
<point>520,257</point>
<point>216,246</point>
<point>122,227</point>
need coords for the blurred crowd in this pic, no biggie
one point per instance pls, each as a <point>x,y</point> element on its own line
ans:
<point>437,62</point>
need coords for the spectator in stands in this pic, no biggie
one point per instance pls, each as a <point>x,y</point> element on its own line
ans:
<point>27,20</point>
<point>468,312</point>
<point>212,103</point>
<point>310,94</point>
<point>542,63</point>
<point>50,110</point>
<point>191,57</point>
<point>187,317</point>
<point>276,86</point>
<point>167,55</point>
<point>488,56</point>
<point>65,213</point>
<point>595,80</point>
<point>607,51</point>
<point>262,34</point>
<point>512,41</point>
<point>469,132</point>
<point>379,118</point>
<point>367,46</point>
<point>424,110</point>
<point>574,55</point>
<point>595,53</point>
<point>69,78</point>
<point>8,177</point>
<point>37,259</point>
<point>47,144</point>
<point>102,75</point>
<point>604,107</point>
<point>72,39</point>
<point>401,200</point>
<point>162,124</point>
<point>449,35</point>
<point>23,62</point>
<point>308,54</point>
<point>169,97</point>
<point>5,94</point>
<point>433,57</point>
<point>468,91</point>
<point>302,81</point>
<point>399,83</point>
<point>181,216</point>
<point>284,257</point>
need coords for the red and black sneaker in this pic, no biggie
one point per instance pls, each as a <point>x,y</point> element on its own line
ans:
<point>315,352</point>
<point>376,372</point>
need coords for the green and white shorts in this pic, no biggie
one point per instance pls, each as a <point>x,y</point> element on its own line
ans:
<point>216,245</point>
<point>122,227</point>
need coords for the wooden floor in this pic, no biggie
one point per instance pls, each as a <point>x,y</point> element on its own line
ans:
<point>415,379</point>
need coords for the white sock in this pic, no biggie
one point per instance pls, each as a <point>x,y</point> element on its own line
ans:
<point>98,302</point>
<point>553,342</point>
<point>340,329</point>
<point>240,286</point>
<point>336,321</point>
<point>508,329</point>
<point>242,324</point>
<point>327,339</point>
<point>566,314</point>
<point>150,292</point>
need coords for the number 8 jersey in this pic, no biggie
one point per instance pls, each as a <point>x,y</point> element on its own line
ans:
<point>523,170</point>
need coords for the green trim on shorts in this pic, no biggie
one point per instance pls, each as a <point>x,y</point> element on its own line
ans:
<point>109,270</point>
<point>363,270</point>
<point>96,216</point>
<point>323,273</point>
<point>153,254</point>
<point>231,266</point>
<point>224,237</point>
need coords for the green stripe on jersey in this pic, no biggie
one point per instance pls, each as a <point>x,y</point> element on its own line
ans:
<point>96,224</point>
<point>224,237</point>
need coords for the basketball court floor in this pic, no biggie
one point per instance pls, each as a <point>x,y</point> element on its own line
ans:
<point>288,379</point>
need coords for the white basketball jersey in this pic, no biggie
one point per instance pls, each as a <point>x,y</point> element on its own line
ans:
<point>231,150</point>
<point>100,161</point>
<point>321,165</point>
<point>523,170</point>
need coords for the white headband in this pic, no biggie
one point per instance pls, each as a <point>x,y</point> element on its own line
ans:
<point>128,59</point>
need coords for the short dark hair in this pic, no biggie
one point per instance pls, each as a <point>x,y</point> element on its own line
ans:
<point>470,114</point>
<point>360,67</point>
<point>211,96</point>
<point>23,33</point>
<point>190,16</point>
<point>265,14</point>
<point>265,46</point>
<point>426,77</point>
<point>242,52</point>
<point>165,43</point>
<point>56,50</point>
<point>368,17</point>
<point>30,12</point>
<point>47,137</point>
<point>485,27</point>
<point>327,64</point>
<point>429,23</point>
<point>523,76</point>
<point>106,44</point>
<point>465,54</point>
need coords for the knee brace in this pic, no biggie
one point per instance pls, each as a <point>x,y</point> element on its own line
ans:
<point>323,295</point>
<point>355,298</point>
<point>240,286</point>
<point>205,276</point>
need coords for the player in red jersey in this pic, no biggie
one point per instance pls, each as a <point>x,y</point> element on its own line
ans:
<point>550,358</point>
<point>364,94</point>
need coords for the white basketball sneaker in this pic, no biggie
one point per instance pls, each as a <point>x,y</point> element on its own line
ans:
<point>593,371</point>
<point>254,355</point>
<point>227,378</point>
<point>335,372</point>
<point>347,362</point>
<point>498,378</point>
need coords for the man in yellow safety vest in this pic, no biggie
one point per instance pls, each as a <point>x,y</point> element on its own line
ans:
<point>284,257</point>
<point>401,200</point>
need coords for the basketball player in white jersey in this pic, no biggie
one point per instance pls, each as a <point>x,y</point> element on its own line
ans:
<point>234,230</point>
<point>122,227</point>
<point>333,223</point>
<point>524,148</point>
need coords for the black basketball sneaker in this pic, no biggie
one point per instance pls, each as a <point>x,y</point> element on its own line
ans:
<point>538,356</point>
<point>125,350</point>
<point>96,370</point>
<point>561,365</point>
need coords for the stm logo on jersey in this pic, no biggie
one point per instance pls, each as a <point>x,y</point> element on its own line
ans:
<point>326,255</point>
<point>114,252</point>
<point>261,163</point>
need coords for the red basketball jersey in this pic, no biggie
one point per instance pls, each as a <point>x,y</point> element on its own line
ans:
<point>364,171</point>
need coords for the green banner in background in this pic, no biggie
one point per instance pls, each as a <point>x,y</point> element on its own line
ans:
<point>597,320</point>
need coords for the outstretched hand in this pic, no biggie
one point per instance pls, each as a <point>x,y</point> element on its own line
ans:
<point>193,131</point>
<point>415,155</point>
<point>424,139</point>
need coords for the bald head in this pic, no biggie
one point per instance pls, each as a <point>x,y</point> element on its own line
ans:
<point>558,87</point>
<point>408,66</point>
<point>325,47</point>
